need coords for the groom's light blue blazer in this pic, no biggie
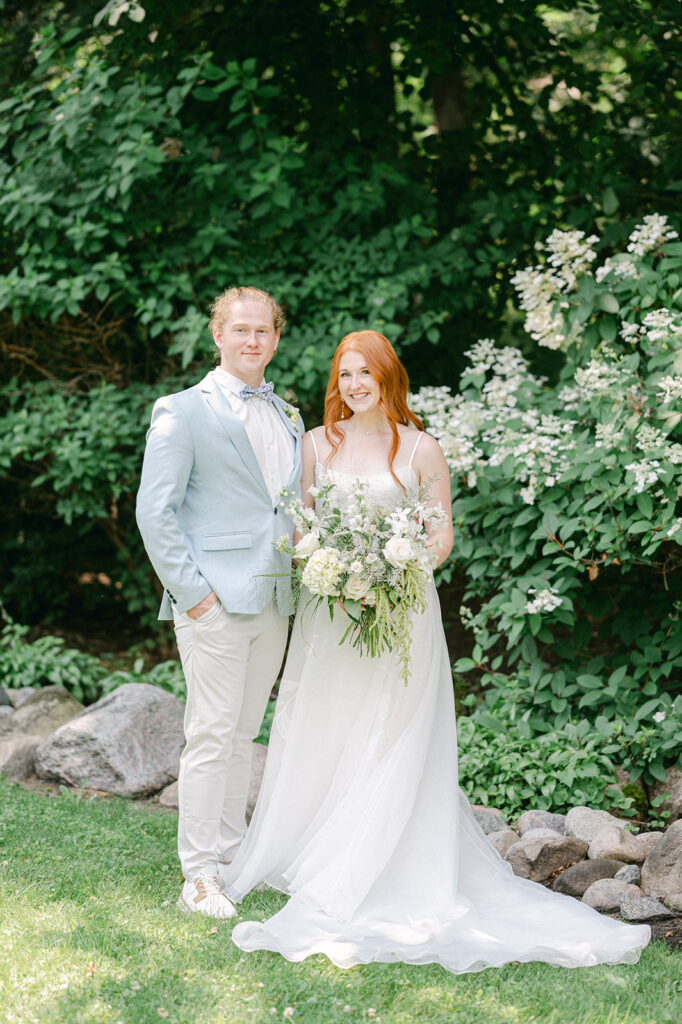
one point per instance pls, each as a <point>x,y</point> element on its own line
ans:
<point>204,511</point>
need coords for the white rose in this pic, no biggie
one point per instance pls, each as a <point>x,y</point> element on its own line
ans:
<point>355,588</point>
<point>306,545</point>
<point>398,551</point>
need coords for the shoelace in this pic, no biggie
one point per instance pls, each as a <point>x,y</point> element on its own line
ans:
<point>206,887</point>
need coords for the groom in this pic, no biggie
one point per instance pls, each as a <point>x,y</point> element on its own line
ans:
<point>217,457</point>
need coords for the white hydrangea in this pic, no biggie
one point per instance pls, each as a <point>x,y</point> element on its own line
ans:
<point>321,573</point>
<point>608,435</point>
<point>544,601</point>
<point>649,437</point>
<point>653,232</point>
<point>659,324</point>
<point>671,388</point>
<point>596,376</point>
<point>619,266</point>
<point>646,473</point>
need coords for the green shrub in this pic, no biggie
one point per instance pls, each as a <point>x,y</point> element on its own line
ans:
<point>566,500</point>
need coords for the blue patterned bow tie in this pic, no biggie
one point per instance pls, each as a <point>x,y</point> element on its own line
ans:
<point>264,392</point>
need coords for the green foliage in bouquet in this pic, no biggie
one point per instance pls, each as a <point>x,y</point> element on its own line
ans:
<point>372,561</point>
<point>567,500</point>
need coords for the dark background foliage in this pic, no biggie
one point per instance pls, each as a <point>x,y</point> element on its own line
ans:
<point>381,164</point>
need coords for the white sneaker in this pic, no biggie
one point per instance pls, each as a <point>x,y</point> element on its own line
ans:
<point>204,896</point>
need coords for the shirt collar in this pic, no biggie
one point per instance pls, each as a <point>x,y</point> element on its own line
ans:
<point>228,381</point>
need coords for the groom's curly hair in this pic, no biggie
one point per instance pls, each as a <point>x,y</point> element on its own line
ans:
<point>220,307</point>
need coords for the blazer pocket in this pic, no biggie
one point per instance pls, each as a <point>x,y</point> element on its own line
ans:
<point>226,541</point>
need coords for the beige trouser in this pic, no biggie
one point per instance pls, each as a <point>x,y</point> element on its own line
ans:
<point>230,664</point>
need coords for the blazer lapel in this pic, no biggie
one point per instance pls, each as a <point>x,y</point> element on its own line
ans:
<point>232,426</point>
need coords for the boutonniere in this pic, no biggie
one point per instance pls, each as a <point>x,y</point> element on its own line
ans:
<point>292,414</point>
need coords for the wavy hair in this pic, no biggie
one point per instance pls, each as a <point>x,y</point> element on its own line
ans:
<point>384,365</point>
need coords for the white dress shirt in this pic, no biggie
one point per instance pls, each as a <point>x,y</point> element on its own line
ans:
<point>271,440</point>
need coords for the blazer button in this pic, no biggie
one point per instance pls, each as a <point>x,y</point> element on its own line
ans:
<point>275,511</point>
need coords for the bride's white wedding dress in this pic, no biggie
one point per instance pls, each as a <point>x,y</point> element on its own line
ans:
<point>361,821</point>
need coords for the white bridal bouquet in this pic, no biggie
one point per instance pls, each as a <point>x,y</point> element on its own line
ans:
<point>373,561</point>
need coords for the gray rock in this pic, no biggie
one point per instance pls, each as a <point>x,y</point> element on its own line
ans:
<point>537,859</point>
<point>662,870</point>
<point>501,841</point>
<point>585,822</point>
<point>259,753</point>
<point>648,841</point>
<point>20,696</point>
<point>41,713</point>
<point>628,873</point>
<point>17,756</point>
<point>6,711</point>
<point>489,818</point>
<point>128,743</point>
<point>618,844</point>
<point>672,785</point>
<point>609,894</point>
<point>542,819</point>
<point>540,833</point>
<point>574,881</point>
<point>674,901</point>
<point>643,909</point>
<point>4,698</point>
<point>169,796</point>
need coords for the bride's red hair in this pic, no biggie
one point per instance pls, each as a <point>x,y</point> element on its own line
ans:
<point>390,374</point>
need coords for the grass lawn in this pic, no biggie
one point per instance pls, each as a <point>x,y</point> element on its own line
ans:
<point>89,932</point>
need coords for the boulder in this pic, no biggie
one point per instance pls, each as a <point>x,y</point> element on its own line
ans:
<point>609,894</point>
<point>648,841</point>
<point>574,881</point>
<point>537,859</point>
<point>672,785</point>
<point>619,844</point>
<point>17,756</point>
<point>643,909</point>
<point>674,901</point>
<point>501,841</point>
<point>489,818</point>
<point>628,873</point>
<point>662,870</point>
<point>20,696</point>
<point>169,796</point>
<point>6,712</point>
<point>541,819</point>
<point>259,753</point>
<point>128,743</point>
<point>540,833</point>
<point>585,822</point>
<point>4,698</point>
<point>41,713</point>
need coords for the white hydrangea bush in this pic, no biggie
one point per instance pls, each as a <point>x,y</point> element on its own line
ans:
<point>567,499</point>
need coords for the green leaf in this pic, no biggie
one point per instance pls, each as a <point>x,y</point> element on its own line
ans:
<point>608,302</point>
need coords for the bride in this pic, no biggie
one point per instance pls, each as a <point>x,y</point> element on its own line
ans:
<point>360,819</point>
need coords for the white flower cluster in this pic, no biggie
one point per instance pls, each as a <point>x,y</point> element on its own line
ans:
<point>608,435</point>
<point>322,571</point>
<point>619,266</point>
<point>674,528</point>
<point>544,601</point>
<point>646,473</point>
<point>597,376</point>
<point>649,438</point>
<point>539,288</point>
<point>653,232</point>
<point>671,388</point>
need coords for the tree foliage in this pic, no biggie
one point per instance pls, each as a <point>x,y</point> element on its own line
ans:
<point>376,164</point>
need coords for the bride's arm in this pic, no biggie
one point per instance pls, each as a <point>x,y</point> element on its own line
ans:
<point>307,476</point>
<point>431,468</point>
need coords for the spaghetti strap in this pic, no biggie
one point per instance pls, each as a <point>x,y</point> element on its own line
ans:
<point>416,445</point>
<point>312,438</point>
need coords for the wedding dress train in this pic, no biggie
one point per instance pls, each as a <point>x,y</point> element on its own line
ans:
<point>361,822</point>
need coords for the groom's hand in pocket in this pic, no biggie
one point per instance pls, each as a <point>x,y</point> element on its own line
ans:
<point>199,609</point>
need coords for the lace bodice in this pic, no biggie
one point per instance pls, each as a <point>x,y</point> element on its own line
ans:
<point>381,487</point>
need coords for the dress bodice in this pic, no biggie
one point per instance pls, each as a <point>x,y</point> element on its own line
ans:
<point>382,489</point>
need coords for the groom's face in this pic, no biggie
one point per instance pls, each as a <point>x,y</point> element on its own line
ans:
<point>247,340</point>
